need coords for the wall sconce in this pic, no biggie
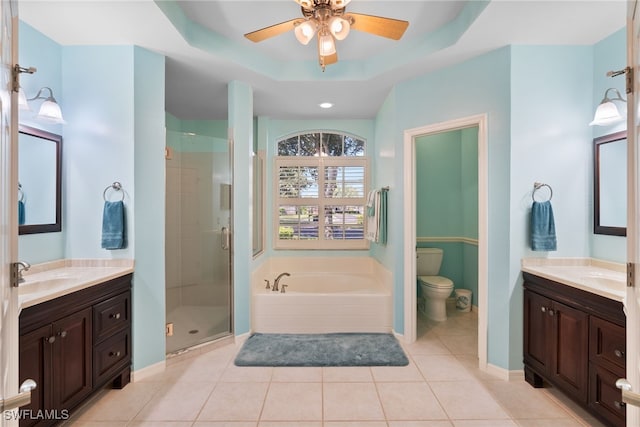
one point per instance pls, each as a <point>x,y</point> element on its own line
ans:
<point>49,110</point>
<point>607,113</point>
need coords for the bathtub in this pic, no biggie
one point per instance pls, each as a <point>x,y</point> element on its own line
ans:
<point>334,296</point>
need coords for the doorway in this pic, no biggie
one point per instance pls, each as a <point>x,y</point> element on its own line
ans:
<point>198,240</point>
<point>410,227</point>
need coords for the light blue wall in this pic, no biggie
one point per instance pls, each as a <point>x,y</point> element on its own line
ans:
<point>37,50</point>
<point>149,174</point>
<point>609,54</point>
<point>550,143</point>
<point>480,85</point>
<point>215,128</point>
<point>241,124</point>
<point>113,101</point>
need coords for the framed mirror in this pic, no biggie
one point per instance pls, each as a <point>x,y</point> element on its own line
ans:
<point>610,184</point>
<point>40,181</point>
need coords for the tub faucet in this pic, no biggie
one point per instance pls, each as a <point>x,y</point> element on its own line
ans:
<point>275,282</point>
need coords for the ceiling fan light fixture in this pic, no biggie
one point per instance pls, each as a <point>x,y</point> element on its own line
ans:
<point>339,27</point>
<point>305,31</point>
<point>326,45</point>
<point>339,4</point>
<point>307,4</point>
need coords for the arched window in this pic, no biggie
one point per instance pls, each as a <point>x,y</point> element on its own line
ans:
<point>321,180</point>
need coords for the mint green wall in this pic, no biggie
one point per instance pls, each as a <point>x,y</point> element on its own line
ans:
<point>241,123</point>
<point>551,106</point>
<point>609,54</point>
<point>447,201</point>
<point>480,85</point>
<point>148,304</point>
<point>37,50</point>
<point>215,128</point>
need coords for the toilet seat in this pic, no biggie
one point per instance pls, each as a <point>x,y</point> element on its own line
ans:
<point>438,282</point>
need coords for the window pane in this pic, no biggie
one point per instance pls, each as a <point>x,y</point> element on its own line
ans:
<point>332,144</point>
<point>309,144</point>
<point>353,146</point>
<point>344,222</point>
<point>341,181</point>
<point>298,181</point>
<point>288,147</point>
<point>298,222</point>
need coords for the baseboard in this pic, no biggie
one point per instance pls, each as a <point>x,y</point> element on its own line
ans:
<point>240,339</point>
<point>148,371</point>
<point>504,374</point>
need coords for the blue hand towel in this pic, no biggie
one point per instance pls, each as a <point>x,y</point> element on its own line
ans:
<point>543,229</point>
<point>21,212</point>
<point>113,226</point>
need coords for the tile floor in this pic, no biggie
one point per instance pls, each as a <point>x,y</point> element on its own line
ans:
<point>441,387</point>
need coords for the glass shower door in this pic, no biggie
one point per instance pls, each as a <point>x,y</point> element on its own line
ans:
<point>198,253</point>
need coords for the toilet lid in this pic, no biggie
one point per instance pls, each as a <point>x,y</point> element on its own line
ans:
<point>436,281</point>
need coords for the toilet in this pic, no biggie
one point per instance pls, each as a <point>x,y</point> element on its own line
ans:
<point>434,289</point>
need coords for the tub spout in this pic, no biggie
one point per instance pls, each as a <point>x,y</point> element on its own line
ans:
<point>277,281</point>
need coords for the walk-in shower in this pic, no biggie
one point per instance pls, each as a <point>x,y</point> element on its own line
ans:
<point>198,253</point>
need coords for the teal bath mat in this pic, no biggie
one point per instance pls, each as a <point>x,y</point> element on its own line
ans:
<point>340,349</point>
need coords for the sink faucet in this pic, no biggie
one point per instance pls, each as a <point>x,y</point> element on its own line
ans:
<point>275,283</point>
<point>22,266</point>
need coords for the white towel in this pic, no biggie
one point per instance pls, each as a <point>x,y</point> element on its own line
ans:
<point>373,217</point>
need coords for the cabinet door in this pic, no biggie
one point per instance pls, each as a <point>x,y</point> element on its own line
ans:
<point>537,328</point>
<point>35,363</point>
<point>72,359</point>
<point>570,355</point>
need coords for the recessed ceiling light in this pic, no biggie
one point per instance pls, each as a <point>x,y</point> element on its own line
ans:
<point>326,105</point>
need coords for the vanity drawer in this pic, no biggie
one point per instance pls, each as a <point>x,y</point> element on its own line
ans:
<point>111,316</point>
<point>109,356</point>
<point>607,343</point>
<point>604,397</point>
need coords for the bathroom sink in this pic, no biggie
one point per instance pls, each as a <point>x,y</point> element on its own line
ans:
<point>604,281</point>
<point>35,286</point>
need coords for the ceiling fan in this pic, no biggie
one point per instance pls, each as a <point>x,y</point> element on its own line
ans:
<point>329,20</point>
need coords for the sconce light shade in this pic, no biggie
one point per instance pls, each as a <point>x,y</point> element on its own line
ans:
<point>305,32</point>
<point>49,110</point>
<point>607,113</point>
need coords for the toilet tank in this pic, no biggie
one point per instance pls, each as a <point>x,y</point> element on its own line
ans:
<point>428,261</point>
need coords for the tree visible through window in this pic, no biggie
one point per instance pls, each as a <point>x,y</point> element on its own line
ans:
<point>321,178</point>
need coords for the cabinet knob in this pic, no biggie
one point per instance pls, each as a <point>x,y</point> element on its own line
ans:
<point>51,339</point>
<point>619,405</point>
<point>114,316</point>
<point>543,309</point>
<point>114,354</point>
<point>551,313</point>
<point>62,334</point>
<point>619,353</point>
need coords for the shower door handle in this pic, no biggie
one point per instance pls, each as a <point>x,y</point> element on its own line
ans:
<point>225,238</point>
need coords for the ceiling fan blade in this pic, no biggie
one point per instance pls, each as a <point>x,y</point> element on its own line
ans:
<point>385,27</point>
<point>273,30</point>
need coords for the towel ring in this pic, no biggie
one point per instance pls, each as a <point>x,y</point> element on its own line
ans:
<point>20,193</point>
<point>116,186</point>
<point>539,185</point>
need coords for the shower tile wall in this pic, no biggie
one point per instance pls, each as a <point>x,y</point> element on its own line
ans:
<point>194,242</point>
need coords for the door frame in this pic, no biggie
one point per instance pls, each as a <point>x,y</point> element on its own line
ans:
<point>409,225</point>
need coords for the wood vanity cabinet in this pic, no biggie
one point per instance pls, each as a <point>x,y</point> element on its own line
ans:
<point>74,345</point>
<point>575,340</point>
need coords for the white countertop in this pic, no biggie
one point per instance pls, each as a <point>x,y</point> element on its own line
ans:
<point>607,279</point>
<point>47,281</point>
